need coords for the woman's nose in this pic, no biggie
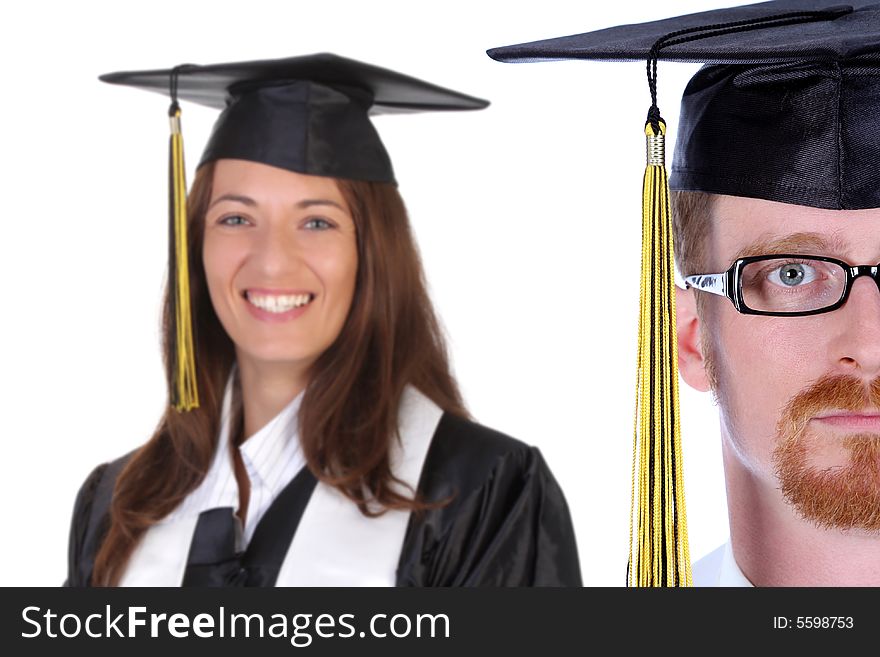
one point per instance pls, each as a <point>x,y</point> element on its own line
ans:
<point>277,251</point>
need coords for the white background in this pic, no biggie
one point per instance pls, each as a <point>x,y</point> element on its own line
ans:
<point>527,215</point>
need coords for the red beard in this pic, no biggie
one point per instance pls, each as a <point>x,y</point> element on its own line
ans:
<point>842,495</point>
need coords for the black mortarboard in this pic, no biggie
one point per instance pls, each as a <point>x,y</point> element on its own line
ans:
<point>784,113</point>
<point>306,114</point>
<point>784,110</point>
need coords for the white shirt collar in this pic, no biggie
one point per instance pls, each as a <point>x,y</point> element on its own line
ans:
<point>265,452</point>
<point>272,457</point>
<point>719,568</point>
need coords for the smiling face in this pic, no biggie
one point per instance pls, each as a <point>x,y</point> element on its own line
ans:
<point>280,258</point>
<point>799,396</point>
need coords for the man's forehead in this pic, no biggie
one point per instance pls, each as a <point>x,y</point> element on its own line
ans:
<point>746,226</point>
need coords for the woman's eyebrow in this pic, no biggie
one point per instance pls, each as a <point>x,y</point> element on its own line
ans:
<point>309,202</point>
<point>247,200</point>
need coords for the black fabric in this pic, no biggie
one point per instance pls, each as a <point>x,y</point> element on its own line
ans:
<point>308,114</point>
<point>508,523</point>
<point>849,35</point>
<point>213,559</point>
<point>783,113</point>
<point>305,127</point>
<point>807,134</point>
<point>82,550</point>
<point>91,521</point>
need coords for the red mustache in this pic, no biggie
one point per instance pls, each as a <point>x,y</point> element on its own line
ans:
<point>830,393</point>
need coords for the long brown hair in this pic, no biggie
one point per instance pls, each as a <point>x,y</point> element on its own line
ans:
<point>348,417</point>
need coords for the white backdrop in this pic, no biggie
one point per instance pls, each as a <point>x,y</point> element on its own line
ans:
<point>527,215</point>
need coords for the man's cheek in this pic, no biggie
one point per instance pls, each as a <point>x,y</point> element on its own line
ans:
<point>762,374</point>
<point>794,346</point>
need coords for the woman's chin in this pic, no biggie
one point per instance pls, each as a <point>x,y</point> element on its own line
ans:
<point>264,357</point>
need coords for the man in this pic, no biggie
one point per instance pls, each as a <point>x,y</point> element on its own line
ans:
<point>799,396</point>
<point>776,225</point>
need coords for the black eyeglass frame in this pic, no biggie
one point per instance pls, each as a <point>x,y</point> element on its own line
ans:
<point>729,283</point>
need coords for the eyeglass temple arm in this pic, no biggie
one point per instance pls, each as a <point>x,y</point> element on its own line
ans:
<point>714,283</point>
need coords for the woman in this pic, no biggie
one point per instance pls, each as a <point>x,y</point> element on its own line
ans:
<point>329,444</point>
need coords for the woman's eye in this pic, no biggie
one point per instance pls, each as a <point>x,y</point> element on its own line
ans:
<point>232,220</point>
<point>793,274</point>
<point>317,224</point>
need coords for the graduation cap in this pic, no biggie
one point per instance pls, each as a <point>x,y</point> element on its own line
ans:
<point>307,114</point>
<point>785,109</point>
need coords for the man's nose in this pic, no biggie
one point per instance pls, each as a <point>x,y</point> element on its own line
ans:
<point>856,343</point>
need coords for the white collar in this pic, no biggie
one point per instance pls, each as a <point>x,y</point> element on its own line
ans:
<point>719,568</point>
<point>271,446</point>
<point>276,444</point>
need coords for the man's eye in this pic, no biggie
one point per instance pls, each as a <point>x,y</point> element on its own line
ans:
<point>317,224</point>
<point>793,274</point>
<point>232,220</point>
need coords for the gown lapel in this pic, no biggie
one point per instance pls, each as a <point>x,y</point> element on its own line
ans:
<point>335,544</point>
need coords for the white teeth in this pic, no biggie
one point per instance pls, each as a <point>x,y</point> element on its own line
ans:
<point>278,303</point>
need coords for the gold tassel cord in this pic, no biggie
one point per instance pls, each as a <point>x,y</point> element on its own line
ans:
<point>185,394</point>
<point>659,554</point>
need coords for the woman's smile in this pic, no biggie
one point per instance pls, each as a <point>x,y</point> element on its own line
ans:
<point>277,305</point>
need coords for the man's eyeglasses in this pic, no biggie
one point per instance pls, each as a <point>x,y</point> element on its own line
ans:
<point>785,285</point>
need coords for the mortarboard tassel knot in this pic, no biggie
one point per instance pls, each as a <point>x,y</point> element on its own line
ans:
<point>655,145</point>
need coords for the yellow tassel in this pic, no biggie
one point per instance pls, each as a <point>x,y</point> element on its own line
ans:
<point>184,392</point>
<point>659,554</point>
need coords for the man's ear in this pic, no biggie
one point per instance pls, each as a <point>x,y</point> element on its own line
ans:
<point>691,363</point>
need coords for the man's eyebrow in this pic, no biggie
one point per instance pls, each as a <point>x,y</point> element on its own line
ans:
<point>796,243</point>
<point>247,200</point>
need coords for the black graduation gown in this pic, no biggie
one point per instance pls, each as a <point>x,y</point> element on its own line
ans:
<point>508,523</point>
